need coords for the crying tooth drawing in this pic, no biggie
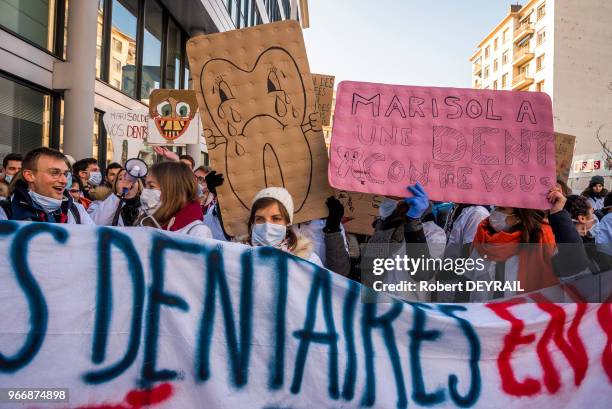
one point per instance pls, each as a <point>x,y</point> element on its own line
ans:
<point>264,146</point>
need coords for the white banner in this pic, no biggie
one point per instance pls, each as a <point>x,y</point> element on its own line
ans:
<point>132,318</point>
<point>128,130</point>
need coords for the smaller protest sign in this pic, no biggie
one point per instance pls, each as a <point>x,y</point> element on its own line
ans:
<point>564,150</point>
<point>324,92</point>
<point>360,211</point>
<point>128,131</point>
<point>174,117</point>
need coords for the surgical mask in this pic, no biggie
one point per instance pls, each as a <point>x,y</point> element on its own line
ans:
<point>48,204</point>
<point>8,178</point>
<point>95,178</point>
<point>386,208</point>
<point>200,192</point>
<point>268,234</point>
<point>150,199</point>
<point>498,222</point>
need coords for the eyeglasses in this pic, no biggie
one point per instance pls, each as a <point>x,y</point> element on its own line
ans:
<point>201,179</point>
<point>55,173</point>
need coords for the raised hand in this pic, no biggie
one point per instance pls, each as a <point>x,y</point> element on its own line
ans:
<point>418,203</point>
<point>213,180</point>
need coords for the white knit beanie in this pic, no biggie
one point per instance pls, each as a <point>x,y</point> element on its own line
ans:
<point>71,160</point>
<point>279,193</point>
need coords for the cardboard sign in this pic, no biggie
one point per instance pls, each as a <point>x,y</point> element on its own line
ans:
<point>564,150</point>
<point>360,210</point>
<point>139,318</point>
<point>257,104</point>
<point>128,130</point>
<point>324,91</point>
<point>462,145</point>
<point>174,117</point>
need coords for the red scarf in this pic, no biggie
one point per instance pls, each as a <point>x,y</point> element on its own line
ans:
<point>535,259</point>
<point>187,215</point>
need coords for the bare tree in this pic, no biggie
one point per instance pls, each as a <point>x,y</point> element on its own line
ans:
<point>607,150</point>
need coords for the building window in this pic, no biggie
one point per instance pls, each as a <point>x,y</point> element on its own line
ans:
<point>486,72</point>
<point>116,65</point>
<point>524,70</point>
<point>504,80</point>
<point>124,28</point>
<point>541,11</point>
<point>541,36</point>
<point>495,44</point>
<point>495,84</point>
<point>505,58</point>
<point>506,35</point>
<point>540,86</point>
<point>148,44</point>
<point>254,17</point>
<point>99,38</point>
<point>39,22</point>
<point>247,11</point>
<point>273,10</point>
<point>238,9</point>
<point>487,51</point>
<point>540,62</point>
<point>117,46</point>
<point>151,50</point>
<point>187,79</point>
<point>495,65</point>
<point>25,117</point>
<point>174,56</point>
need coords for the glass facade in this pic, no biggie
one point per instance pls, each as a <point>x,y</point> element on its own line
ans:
<point>152,46</point>
<point>139,47</point>
<point>99,38</point>
<point>122,60</point>
<point>174,56</point>
<point>34,20</point>
<point>244,13</point>
<point>25,117</point>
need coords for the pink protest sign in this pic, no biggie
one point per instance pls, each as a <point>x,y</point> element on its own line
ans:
<point>462,145</point>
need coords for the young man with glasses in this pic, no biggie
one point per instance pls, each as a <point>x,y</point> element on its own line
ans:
<point>40,192</point>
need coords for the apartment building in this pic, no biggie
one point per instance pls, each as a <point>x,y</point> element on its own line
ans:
<point>562,48</point>
<point>63,63</point>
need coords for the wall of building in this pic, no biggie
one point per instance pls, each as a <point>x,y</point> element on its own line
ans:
<point>31,59</point>
<point>583,71</point>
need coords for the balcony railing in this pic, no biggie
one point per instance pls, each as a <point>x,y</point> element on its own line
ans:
<point>522,30</point>
<point>522,55</point>
<point>521,80</point>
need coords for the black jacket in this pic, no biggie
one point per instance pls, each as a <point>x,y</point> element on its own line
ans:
<point>21,207</point>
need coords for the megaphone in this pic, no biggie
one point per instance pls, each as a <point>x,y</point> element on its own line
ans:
<point>136,169</point>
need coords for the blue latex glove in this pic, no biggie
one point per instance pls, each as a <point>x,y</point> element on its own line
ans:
<point>419,202</point>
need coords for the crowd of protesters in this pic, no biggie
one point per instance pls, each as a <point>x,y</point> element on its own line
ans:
<point>538,248</point>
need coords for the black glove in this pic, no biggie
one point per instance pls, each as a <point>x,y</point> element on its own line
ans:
<point>336,212</point>
<point>213,180</point>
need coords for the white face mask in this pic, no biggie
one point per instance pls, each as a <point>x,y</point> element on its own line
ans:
<point>268,234</point>
<point>8,178</point>
<point>498,222</point>
<point>150,199</point>
<point>386,207</point>
<point>95,178</point>
<point>48,204</point>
